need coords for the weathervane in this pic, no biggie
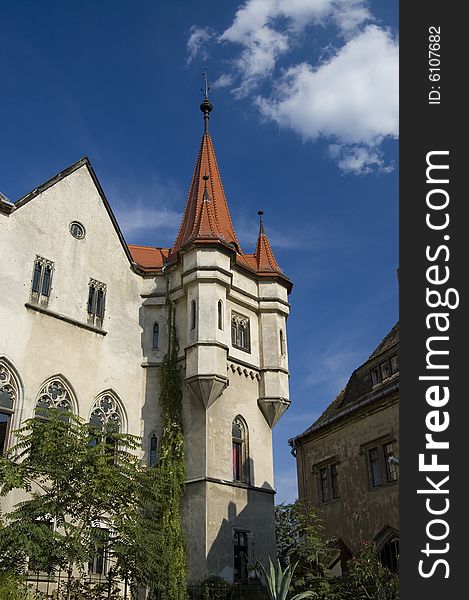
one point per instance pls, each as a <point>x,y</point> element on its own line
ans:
<point>206,107</point>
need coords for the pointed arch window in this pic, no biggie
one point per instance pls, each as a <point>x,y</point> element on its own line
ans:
<point>53,395</point>
<point>220,314</point>
<point>96,302</point>
<point>193,314</point>
<point>107,419</point>
<point>389,553</point>
<point>155,344</point>
<point>9,393</point>
<point>239,450</point>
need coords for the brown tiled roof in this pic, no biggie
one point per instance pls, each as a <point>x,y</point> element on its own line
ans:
<point>149,258</point>
<point>264,256</point>
<point>359,386</point>
<point>206,214</point>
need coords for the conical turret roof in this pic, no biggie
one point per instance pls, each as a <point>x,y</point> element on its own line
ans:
<point>206,215</point>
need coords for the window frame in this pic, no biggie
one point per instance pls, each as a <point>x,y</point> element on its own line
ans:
<point>241,573</point>
<point>240,332</point>
<point>155,329</point>
<point>96,304</point>
<point>378,371</point>
<point>388,474</point>
<point>326,474</point>
<point>240,452</point>
<point>41,282</point>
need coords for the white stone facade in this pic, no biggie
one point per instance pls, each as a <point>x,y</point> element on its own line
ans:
<point>54,338</point>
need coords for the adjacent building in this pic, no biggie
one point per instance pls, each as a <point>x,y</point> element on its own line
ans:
<point>347,461</point>
<point>84,327</point>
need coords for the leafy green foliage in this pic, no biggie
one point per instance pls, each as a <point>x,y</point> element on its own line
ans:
<point>367,579</point>
<point>72,475</point>
<point>13,587</point>
<point>278,581</point>
<point>300,537</point>
<point>158,527</point>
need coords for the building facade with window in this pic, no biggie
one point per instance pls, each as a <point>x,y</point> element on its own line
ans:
<point>84,327</point>
<point>348,460</point>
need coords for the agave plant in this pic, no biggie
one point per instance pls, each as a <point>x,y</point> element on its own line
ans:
<point>278,581</point>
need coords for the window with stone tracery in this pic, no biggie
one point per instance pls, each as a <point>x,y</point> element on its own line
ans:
<point>240,332</point>
<point>106,416</point>
<point>54,394</point>
<point>9,392</point>
<point>96,302</point>
<point>42,280</point>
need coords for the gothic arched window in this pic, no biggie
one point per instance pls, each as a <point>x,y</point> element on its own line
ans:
<point>156,337</point>
<point>9,393</point>
<point>239,450</point>
<point>106,417</point>
<point>220,314</point>
<point>389,553</point>
<point>54,394</point>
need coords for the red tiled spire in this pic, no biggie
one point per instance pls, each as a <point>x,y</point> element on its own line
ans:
<point>206,214</point>
<point>265,259</point>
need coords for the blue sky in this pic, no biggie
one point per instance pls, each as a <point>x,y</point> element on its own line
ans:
<point>304,126</point>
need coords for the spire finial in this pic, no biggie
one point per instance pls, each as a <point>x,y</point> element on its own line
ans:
<point>261,223</point>
<point>206,107</point>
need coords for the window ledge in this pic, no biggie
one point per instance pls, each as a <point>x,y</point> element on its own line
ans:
<point>60,317</point>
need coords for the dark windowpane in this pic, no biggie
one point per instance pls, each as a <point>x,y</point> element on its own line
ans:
<point>36,277</point>
<point>391,468</point>
<point>220,314</point>
<point>4,423</point>
<point>6,399</point>
<point>98,565</point>
<point>193,314</point>
<point>375,376</point>
<point>334,481</point>
<point>46,281</point>
<point>156,336</point>
<point>237,461</point>
<point>385,370</point>
<point>100,304</point>
<point>374,467</point>
<point>91,293</point>
<point>324,484</point>
<point>234,333</point>
<point>242,336</point>
<point>389,554</point>
<point>153,450</point>
<point>240,555</point>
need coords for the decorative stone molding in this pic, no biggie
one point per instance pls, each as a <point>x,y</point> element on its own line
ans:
<point>242,371</point>
<point>55,394</point>
<point>9,389</point>
<point>207,388</point>
<point>106,413</point>
<point>273,408</point>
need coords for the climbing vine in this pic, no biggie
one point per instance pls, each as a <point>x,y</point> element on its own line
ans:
<point>169,476</point>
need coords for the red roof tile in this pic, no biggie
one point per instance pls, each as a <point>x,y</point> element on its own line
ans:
<point>149,258</point>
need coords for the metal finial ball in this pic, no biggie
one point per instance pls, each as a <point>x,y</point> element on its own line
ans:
<point>205,177</point>
<point>260,212</point>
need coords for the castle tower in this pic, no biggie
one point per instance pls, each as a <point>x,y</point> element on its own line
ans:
<point>231,311</point>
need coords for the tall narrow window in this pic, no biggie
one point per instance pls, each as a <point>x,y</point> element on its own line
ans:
<point>328,481</point>
<point>153,457</point>
<point>99,563</point>
<point>239,450</point>
<point>241,549</point>
<point>220,314</point>
<point>323,480</point>
<point>96,302</point>
<point>193,314</point>
<point>156,337</point>
<point>42,280</point>
<point>282,343</point>
<point>389,553</point>
<point>375,469</point>
<point>391,469</point>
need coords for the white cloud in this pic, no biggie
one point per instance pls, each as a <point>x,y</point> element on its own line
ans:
<point>353,97</point>
<point>199,38</point>
<point>224,80</point>
<point>267,29</point>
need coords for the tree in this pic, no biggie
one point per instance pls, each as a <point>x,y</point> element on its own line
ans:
<point>76,477</point>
